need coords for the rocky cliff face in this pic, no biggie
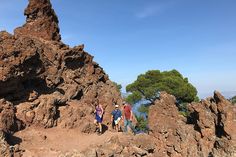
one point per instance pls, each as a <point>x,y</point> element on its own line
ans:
<point>209,130</point>
<point>44,82</point>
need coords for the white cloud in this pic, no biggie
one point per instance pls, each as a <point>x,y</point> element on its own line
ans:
<point>154,9</point>
<point>149,11</point>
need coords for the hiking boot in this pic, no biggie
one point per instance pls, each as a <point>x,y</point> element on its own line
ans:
<point>99,133</point>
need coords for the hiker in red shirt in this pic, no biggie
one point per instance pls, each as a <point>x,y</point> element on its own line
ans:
<point>128,117</point>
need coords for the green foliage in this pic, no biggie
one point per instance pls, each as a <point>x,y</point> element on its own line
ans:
<point>185,114</point>
<point>183,109</point>
<point>196,99</point>
<point>148,85</point>
<point>143,109</point>
<point>134,97</point>
<point>118,86</point>
<point>142,124</point>
<point>233,100</point>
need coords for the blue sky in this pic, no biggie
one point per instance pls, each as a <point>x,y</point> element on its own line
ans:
<point>129,37</point>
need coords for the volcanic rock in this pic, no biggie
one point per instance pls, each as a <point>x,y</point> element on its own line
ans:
<point>208,131</point>
<point>45,83</point>
<point>173,136</point>
<point>214,118</point>
<point>41,21</point>
<point>4,152</point>
<point>8,121</point>
<point>126,146</point>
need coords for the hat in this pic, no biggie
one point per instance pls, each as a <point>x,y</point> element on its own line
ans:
<point>116,105</point>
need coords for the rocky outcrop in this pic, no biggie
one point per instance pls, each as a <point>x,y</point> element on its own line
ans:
<point>41,21</point>
<point>208,131</point>
<point>4,152</point>
<point>125,146</point>
<point>44,82</point>
<point>172,135</point>
<point>128,146</point>
<point>215,119</point>
<point>8,121</point>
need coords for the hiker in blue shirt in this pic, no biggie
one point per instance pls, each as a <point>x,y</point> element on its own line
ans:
<point>116,117</point>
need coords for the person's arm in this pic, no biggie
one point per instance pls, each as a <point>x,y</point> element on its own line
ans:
<point>102,109</point>
<point>111,118</point>
<point>121,116</point>
<point>123,112</point>
<point>131,115</point>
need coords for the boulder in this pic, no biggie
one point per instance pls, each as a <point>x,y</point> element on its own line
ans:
<point>8,121</point>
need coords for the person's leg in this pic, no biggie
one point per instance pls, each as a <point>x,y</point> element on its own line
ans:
<point>128,121</point>
<point>131,126</point>
<point>100,127</point>
<point>117,122</point>
<point>95,121</point>
<point>118,125</point>
<point>96,124</point>
<point>125,125</point>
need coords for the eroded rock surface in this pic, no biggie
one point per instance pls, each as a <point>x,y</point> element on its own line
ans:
<point>215,119</point>
<point>120,146</point>
<point>209,131</point>
<point>4,151</point>
<point>44,82</point>
<point>41,21</point>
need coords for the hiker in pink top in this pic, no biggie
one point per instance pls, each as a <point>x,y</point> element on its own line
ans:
<point>98,116</point>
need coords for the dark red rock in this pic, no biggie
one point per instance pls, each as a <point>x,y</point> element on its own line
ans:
<point>50,83</point>
<point>41,21</point>
<point>208,131</point>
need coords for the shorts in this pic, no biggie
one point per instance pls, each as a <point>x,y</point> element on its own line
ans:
<point>98,119</point>
<point>117,121</point>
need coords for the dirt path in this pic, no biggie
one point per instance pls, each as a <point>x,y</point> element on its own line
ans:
<point>52,142</point>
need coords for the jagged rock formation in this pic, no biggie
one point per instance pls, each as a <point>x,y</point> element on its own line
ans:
<point>4,151</point>
<point>41,21</point>
<point>215,120</point>
<point>209,131</point>
<point>44,82</point>
<point>173,136</point>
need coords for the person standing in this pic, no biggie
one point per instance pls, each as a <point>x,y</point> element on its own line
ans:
<point>128,117</point>
<point>116,117</point>
<point>99,116</point>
